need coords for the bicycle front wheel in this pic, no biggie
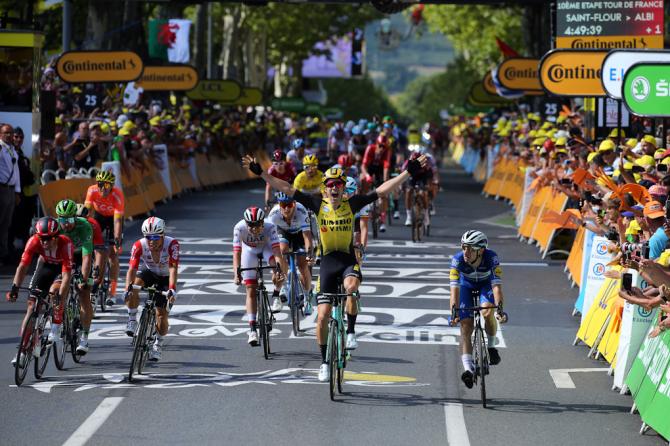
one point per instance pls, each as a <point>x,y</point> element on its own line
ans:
<point>332,358</point>
<point>25,351</point>
<point>75,327</point>
<point>60,345</point>
<point>342,354</point>
<point>42,344</point>
<point>264,322</point>
<point>139,342</point>
<point>481,363</point>
<point>149,337</point>
<point>295,308</point>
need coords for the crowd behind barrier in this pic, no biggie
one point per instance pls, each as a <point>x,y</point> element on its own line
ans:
<point>610,197</point>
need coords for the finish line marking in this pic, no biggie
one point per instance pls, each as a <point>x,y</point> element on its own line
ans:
<point>93,422</point>
<point>562,378</point>
<point>457,432</point>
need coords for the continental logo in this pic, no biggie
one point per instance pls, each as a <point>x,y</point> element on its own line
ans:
<point>519,73</point>
<point>99,66</point>
<point>513,73</point>
<point>178,77</point>
<point>558,72</point>
<point>610,42</point>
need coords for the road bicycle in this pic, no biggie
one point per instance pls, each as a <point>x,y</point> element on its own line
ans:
<point>34,341</point>
<point>71,327</point>
<point>336,352</point>
<point>296,293</point>
<point>418,213</point>
<point>265,319</point>
<point>101,294</point>
<point>145,335</point>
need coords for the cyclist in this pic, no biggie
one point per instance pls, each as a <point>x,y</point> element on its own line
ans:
<point>296,155</point>
<point>53,270</point>
<point>154,261</point>
<point>79,230</point>
<point>252,237</point>
<point>476,269</point>
<point>337,142</point>
<point>107,202</point>
<point>357,144</point>
<point>309,181</point>
<point>98,246</point>
<point>335,215</point>
<point>294,233</point>
<point>280,169</point>
<point>375,169</point>
<point>346,162</point>
<point>361,221</point>
<point>422,181</point>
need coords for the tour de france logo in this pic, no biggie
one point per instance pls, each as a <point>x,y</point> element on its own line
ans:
<point>640,88</point>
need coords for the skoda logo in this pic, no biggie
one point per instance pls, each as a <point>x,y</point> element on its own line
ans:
<point>639,88</point>
<point>643,313</point>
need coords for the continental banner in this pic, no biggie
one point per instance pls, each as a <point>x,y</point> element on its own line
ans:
<point>606,43</point>
<point>520,73</point>
<point>572,73</point>
<point>169,78</point>
<point>99,66</point>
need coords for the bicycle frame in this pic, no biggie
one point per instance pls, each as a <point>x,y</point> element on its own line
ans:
<point>335,347</point>
<point>146,331</point>
<point>295,288</point>
<point>265,317</point>
<point>480,354</point>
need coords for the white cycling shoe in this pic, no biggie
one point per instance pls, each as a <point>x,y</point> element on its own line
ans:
<point>54,334</point>
<point>396,215</point>
<point>324,373</point>
<point>352,342</point>
<point>155,353</point>
<point>131,327</point>
<point>82,348</point>
<point>382,227</point>
<point>253,338</point>
<point>408,220</point>
<point>277,305</point>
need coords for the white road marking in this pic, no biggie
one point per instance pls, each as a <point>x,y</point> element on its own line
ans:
<point>93,422</point>
<point>562,378</point>
<point>457,432</point>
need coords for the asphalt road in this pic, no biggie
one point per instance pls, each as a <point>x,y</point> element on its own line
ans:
<point>403,383</point>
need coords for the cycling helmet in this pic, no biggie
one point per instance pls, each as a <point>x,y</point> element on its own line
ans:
<point>475,238</point>
<point>352,186</point>
<point>46,227</point>
<point>310,160</point>
<point>372,126</point>
<point>105,176</point>
<point>278,155</point>
<point>355,130</point>
<point>66,208</point>
<point>153,226</point>
<point>82,211</point>
<point>387,119</point>
<point>382,140</point>
<point>334,173</point>
<point>283,198</point>
<point>345,161</point>
<point>298,143</point>
<point>254,215</point>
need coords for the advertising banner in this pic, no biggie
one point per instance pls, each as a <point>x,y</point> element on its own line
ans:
<point>488,84</point>
<point>248,96</point>
<point>646,89</point>
<point>99,66</point>
<point>572,73</point>
<point>520,73</point>
<point>609,43</point>
<point>216,90</point>
<point>598,313</point>
<point>170,78</point>
<point>617,63</point>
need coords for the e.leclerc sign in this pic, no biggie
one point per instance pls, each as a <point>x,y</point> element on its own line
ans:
<point>617,62</point>
<point>646,89</point>
<point>99,66</point>
<point>572,73</point>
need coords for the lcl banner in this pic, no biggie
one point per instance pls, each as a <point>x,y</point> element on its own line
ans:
<point>216,90</point>
<point>520,73</point>
<point>572,73</point>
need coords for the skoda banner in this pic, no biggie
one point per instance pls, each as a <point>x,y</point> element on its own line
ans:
<point>520,73</point>
<point>572,73</point>
<point>646,89</point>
<point>617,62</point>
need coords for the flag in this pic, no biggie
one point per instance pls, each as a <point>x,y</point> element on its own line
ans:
<point>169,39</point>
<point>506,50</point>
<point>569,219</point>
<point>502,91</point>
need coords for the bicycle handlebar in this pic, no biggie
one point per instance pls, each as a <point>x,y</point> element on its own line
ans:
<point>149,289</point>
<point>477,308</point>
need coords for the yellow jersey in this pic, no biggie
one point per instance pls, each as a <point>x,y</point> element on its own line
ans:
<point>309,185</point>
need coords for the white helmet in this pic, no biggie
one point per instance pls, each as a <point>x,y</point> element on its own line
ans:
<point>352,186</point>
<point>475,238</point>
<point>153,226</point>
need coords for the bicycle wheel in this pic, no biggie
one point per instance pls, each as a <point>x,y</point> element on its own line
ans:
<point>25,351</point>
<point>138,346</point>
<point>60,348</point>
<point>264,322</point>
<point>342,355</point>
<point>75,328</point>
<point>481,364</point>
<point>94,305</point>
<point>150,336</point>
<point>295,306</point>
<point>332,358</point>
<point>43,346</point>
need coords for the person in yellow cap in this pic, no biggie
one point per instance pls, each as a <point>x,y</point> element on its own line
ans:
<point>647,162</point>
<point>606,150</point>
<point>617,135</point>
<point>648,144</point>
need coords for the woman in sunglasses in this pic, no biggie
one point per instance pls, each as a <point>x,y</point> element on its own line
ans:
<point>154,261</point>
<point>335,216</point>
<point>53,271</point>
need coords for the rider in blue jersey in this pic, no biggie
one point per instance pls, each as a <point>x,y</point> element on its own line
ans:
<point>476,270</point>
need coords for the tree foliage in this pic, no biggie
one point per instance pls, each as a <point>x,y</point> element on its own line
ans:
<point>358,98</point>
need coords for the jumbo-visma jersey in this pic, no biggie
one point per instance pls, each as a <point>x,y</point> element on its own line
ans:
<point>488,271</point>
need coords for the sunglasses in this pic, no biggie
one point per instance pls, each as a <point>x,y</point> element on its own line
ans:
<point>153,237</point>
<point>286,204</point>
<point>47,238</point>
<point>256,225</point>
<point>66,220</point>
<point>334,183</point>
<point>277,163</point>
<point>310,166</point>
<point>469,248</point>
<point>104,185</point>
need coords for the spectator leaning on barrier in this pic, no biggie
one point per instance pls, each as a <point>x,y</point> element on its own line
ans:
<point>10,187</point>
<point>26,208</point>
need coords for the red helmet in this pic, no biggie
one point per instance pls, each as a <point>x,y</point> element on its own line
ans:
<point>46,227</point>
<point>254,215</point>
<point>382,140</point>
<point>278,155</point>
<point>549,145</point>
<point>345,161</point>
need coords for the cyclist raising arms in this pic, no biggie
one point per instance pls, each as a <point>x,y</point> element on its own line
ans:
<point>251,237</point>
<point>292,224</point>
<point>335,216</point>
<point>280,169</point>
<point>107,202</point>
<point>53,270</point>
<point>157,258</point>
<point>476,269</point>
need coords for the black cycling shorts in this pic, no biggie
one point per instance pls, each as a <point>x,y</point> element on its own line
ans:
<point>295,240</point>
<point>421,180</point>
<point>106,226</point>
<point>160,282</point>
<point>335,266</point>
<point>45,275</point>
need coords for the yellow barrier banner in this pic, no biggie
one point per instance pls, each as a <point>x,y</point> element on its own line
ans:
<point>493,183</point>
<point>544,232</point>
<point>518,181</point>
<point>132,192</point>
<point>534,210</point>
<point>176,185</point>
<point>153,185</point>
<point>574,262</point>
<point>51,193</point>
<point>594,322</point>
<point>609,344</point>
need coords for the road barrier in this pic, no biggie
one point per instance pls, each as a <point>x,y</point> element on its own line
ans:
<point>144,187</point>
<point>612,328</point>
